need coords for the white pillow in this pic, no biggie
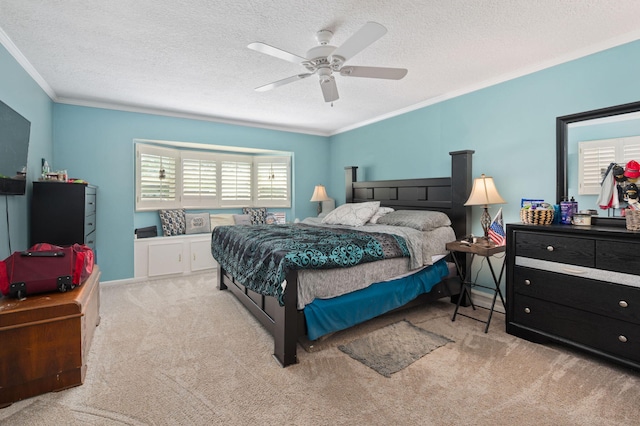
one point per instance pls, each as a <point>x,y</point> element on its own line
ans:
<point>352,214</point>
<point>221,220</point>
<point>381,212</point>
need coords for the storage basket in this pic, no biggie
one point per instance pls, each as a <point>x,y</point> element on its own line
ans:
<point>536,217</point>
<point>633,219</point>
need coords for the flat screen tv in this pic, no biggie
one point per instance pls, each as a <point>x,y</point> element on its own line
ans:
<point>14,147</point>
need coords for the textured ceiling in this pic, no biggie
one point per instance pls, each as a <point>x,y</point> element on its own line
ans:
<point>189,57</point>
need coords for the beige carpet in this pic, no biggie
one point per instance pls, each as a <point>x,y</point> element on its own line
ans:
<point>180,352</point>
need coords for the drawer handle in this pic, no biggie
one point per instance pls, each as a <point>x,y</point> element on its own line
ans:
<point>527,282</point>
<point>527,310</point>
<point>90,224</point>
<point>549,248</point>
<point>623,304</point>
<point>574,271</point>
<point>622,338</point>
<point>90,242</point>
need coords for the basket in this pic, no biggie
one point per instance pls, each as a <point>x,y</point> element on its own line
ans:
<point>536,217</point>
<point>633,219</point>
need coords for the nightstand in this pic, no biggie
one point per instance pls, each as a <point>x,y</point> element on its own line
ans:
<point>461,248</point>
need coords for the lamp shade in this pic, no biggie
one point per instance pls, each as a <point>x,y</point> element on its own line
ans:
<point>320,194</point>
<point>484,192</point>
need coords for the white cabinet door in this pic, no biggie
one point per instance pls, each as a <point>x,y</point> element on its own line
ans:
<point>166,258</point>
<point>201,255</point>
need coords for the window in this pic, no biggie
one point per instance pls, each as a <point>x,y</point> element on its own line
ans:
<point>199,179</point>
<point>595,157</point>
<point>272,181</point>
<point>235,181</point>
<point>156,177</point>
<point>169,177</point>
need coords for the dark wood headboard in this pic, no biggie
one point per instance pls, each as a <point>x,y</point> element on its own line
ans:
<point>445,194</point>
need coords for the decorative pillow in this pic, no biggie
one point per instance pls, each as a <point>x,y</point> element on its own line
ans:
<point>421,220</point>
<point>352,214</point>
<point>221,220</point>
<point>242,219</point>
<point>197,223</point>
<point>173,222</point>
<point>258,215</point>
<point>381,212</point>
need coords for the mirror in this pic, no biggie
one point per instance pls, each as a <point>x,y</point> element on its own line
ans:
<point>567,164</point>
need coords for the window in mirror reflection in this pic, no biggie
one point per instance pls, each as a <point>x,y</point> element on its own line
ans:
<point>584,177</point>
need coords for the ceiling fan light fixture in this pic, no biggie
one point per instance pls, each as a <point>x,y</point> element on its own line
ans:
<point>324,37</point>
<point>325,59</point>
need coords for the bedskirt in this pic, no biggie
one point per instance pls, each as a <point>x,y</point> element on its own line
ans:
<point>325,316</point>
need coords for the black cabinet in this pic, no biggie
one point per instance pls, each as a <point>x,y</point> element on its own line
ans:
<point>63,214</point>
<point>576,285</point>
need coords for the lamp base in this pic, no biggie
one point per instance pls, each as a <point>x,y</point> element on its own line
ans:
<point>319,208</point>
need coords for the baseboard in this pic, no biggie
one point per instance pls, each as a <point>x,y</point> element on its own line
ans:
<point>158,277</point>
<point>482,299</point>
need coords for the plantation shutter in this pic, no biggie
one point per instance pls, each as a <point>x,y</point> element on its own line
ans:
<point>272,181</point>
<point>157,176</point>
<point>199,180</point>
<point>235,181</point>
<point>595,157</point>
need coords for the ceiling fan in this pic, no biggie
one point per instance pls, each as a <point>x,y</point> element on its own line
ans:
<point>326,59</point>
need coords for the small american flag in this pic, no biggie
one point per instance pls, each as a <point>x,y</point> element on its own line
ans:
<point>496,230</point>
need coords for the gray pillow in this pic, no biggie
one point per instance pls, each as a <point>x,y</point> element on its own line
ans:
<point>197,223</point>
<point>421,220</point>
<point>242,219</point>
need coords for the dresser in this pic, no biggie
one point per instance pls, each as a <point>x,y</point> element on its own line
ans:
<point>63,214</point>
<point>576,285</point>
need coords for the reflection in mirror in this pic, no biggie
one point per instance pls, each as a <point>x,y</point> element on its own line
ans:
<point>620,121</point>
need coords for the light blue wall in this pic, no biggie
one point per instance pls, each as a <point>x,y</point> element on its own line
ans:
<point>20,92</point>
<point>511,126</point>
<point>97,145</point>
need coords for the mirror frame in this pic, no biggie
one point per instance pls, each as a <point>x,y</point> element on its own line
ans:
<point>562,127</point>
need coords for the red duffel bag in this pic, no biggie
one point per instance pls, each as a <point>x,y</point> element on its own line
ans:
<point>45,268</point>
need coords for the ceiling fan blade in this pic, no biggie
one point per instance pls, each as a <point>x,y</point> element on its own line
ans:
<point>366,35</point>
<point>278,53</point>
<point>329,89</point>
<point>374,72</point>
<point>282,82</point>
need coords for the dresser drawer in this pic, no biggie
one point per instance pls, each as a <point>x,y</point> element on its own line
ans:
<point>89,224</point>
<point>619,256</point>
<point>90,204</point>
<point>612,336</point>
<point>602,298</point>
<point>554,248</point>
<point>90,240</point>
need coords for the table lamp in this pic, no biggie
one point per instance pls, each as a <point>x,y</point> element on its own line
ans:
<point>319,195</point>
<point>484,193</point>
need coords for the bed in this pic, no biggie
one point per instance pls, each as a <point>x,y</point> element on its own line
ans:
<point>280,309</point>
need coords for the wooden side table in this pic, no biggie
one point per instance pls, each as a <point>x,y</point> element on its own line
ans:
<point>462,248</point>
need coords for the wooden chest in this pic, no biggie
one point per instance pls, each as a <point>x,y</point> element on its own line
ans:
<point>45,340</point>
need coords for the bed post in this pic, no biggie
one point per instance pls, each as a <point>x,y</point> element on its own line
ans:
<point>285,331</point>
<point>350,177</point>
<point>461,182</point>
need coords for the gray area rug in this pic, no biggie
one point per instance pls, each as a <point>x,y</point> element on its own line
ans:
<point>394,347</point>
